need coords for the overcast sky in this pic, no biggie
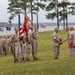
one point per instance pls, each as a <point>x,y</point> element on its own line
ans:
<point>4,15</point>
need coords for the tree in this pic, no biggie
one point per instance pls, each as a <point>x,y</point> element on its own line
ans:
<point>35,7</point>
<point>63,12</point>
<point>13,4</point>
<point>53,12</point>
<point>24,5</point>
<point>65,8</point>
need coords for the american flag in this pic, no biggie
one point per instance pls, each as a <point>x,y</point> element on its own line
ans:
<point>21,33</point>
<point>24,26</point>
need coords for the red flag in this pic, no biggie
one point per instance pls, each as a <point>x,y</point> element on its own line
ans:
<point>43,26</point>
<point>28,19</point>
<point>25,26</point>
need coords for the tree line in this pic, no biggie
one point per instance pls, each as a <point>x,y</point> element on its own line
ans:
<point>54,8</point>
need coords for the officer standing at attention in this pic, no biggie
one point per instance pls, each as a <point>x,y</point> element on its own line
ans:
<point>68,40</point>
<point>71,42</point>
<point>34,43</point>
<point>56,41</point>
<point>17,46</point>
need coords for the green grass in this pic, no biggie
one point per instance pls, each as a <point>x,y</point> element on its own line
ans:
<point>46,65</point>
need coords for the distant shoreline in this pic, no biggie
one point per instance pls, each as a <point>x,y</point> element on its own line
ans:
<point>5,24</point>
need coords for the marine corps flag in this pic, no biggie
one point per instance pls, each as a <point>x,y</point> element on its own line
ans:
<point>25,26</point>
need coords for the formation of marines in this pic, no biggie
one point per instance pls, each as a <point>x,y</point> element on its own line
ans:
<point>5,45</point>
<point>21,48</point>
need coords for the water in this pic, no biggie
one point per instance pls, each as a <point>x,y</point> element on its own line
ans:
<point>48,28</point>
<point>51,28</point>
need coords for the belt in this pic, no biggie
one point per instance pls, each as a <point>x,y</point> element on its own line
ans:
<point>34,38</point>
<point>16,41</point>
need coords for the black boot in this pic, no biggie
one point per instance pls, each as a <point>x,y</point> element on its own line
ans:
<point>34,58</point>
<point>37,59</point>
<point>28,59</point>
<point>16,60</point>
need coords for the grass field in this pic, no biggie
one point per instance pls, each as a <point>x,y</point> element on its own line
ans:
<point>46,65</point>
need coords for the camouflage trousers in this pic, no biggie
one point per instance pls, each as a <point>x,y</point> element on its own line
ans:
<point>7,48</point>
<point>27,52</point>
<point>56,51</point>
<point>1,49</point>
<point>34,48</point>
<point>24,50</point>
<point>17,50</point>
<point>72,52</point>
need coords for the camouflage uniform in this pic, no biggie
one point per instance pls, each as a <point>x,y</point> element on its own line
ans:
<point>7,44</point>
<point>4,46</point>
<point>12,44</point>
<point>55,45</point>
<point>68,39</point>
<point>17,47</point>
<point>34,44</point>
<point>72,49</point>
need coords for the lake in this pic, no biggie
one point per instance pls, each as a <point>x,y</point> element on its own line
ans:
<point>51,28</point>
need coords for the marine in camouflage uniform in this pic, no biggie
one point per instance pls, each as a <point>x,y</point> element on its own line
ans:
<point>71,42</point>
<point>34,42</point>
<point>17,47</point>
<point>4,46</point>
<point>12,44</point>
<point>56,43</point>
<point>7,44</point>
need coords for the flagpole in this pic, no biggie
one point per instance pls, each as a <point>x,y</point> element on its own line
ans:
<point>19,22</point>
<point>37,15</point>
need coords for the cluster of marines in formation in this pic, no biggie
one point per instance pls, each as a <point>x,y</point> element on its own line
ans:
<point>20,48</point>
<point>5,44</point>
<point>57,41</point>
